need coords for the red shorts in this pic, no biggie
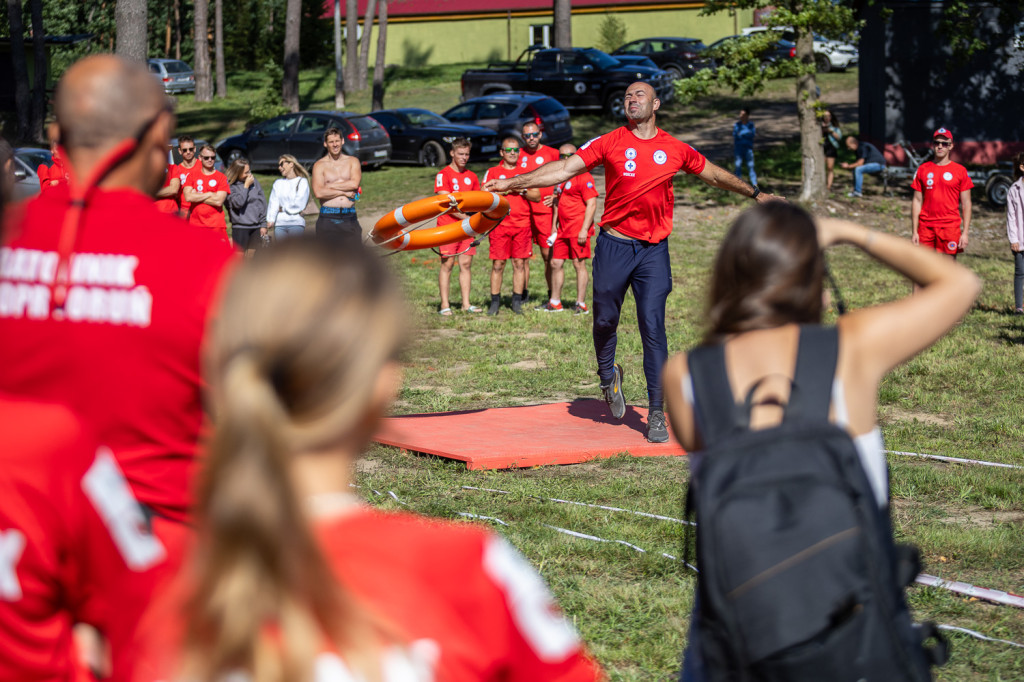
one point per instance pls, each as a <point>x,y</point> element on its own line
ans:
<point>458,248</point>
<point>942,238</point>
<point>540,228</point>
<point>510,242</point>
<point>566,246</point>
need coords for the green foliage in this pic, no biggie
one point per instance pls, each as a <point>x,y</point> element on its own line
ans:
<point>268,104</point>
<point>611,33</point>
<point>963,28</point>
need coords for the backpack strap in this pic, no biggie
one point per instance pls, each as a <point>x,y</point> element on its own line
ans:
<point>715,412</point>
<point>816,358</point>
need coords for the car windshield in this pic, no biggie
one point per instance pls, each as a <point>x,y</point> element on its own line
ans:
<point>35,157</point>
<point>364,123</point>
<point>601,59</point>
<point>421,117</point>
<point>177,67</point>
<point>694,45</point>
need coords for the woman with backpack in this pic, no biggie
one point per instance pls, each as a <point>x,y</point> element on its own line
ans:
<point>752,371</point>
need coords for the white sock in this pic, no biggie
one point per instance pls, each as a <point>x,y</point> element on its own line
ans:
<point>556,301</point>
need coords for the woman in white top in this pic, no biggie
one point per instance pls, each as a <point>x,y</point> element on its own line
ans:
<point>1015,230</point>
<point>288,198</point>
<point>767,281</point>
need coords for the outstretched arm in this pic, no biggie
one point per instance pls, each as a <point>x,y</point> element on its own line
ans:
<point>716,176</point>
<point>548,175</point>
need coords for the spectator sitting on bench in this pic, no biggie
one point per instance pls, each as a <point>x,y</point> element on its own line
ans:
<point>869,160</point>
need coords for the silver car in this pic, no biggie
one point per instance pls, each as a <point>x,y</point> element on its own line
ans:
<point>26,161</point>
<point>176,75</point>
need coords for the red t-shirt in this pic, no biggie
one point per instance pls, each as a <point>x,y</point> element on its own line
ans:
<point>170,204</point>
<point>124,353</point>
<point>67,519</point>
<point>183,174</point>
<point>450,180</point>
<point>638,180</point>
<point>203,214</point>
<point>572,203</point>
<point>453,590</point>
<point>532,161</point>
<point>940,188</point>
<point>519,206</point>
<point>55,173</point>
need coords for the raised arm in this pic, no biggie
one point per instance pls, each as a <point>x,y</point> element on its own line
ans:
<point>716,176</point>
<point>548,175</point>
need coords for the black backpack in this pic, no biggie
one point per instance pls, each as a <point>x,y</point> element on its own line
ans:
<point>800,578</point>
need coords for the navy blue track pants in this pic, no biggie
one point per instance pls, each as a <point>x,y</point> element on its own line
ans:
<point>621,264</point>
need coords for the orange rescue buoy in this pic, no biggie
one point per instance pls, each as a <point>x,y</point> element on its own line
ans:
<point>397,230</point>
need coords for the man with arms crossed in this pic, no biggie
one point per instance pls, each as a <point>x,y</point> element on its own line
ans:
<point>940,214</point>
<point>532,156</point>
<point>632,249</point>
<point>336,179</point>
<point>511,238</point>
<point>456,178</point>
<point>576,204</point>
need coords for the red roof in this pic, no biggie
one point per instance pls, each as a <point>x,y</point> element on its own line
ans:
<point>403,8</point>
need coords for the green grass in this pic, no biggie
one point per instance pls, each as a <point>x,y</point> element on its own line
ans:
<point>963,397</point>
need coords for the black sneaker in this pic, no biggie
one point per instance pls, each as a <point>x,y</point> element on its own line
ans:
<point>493,309</point>
<point>613,394</point>
<point>517,306</point>
<point>657,432</point>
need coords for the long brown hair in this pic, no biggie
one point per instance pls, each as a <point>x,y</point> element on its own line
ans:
<point>236,169</point>
<point>1018,161</point>
<point>304,331</point>
<point>768,272</point>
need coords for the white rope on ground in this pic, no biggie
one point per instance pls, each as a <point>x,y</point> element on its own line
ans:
<point>978,635</point>
<point>957,460</point>
<point>988,594</point>
<point>482,518</point>
<point>586,504</point>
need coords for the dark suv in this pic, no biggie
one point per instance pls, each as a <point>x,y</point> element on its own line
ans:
<point>302,135</point>
<point>681,57</point>
<point>508,112</point>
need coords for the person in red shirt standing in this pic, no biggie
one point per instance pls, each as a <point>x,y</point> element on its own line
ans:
<point>640,161</point>
<point>53,175</point>
<point>576,204</point>
<point>455,177</point>
<point>940,214</point>
<point>511,238</point>
<point>98,318</point>
<point>532,156</point>
<point>189,162</point>
<point>206,189</point>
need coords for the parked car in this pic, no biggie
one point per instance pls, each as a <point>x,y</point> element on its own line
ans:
<point>681,57</point>
<point>423,137</point>
<point>635,60</point>
<point>26,161</point>
<point>581,78</point>
<point>508,112</point>
<point>778,51</point>
<point>829,55</point>
<point>176,75</point>
<point>302,135</point>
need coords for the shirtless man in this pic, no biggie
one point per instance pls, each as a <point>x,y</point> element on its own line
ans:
<point>336,179</point>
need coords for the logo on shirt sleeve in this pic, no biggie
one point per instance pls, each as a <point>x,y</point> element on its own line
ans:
<point>440,180</point>
<point>587,143</point>
<point>12,544</point>
<point>660,157</point>
<point>590,185</point>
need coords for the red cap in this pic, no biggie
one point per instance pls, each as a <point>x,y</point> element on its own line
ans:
<point>943,132</point>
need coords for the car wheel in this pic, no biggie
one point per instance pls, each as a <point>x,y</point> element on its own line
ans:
<point>822,63</point>
<point>675,72</point>
<point>432,155</point>
<point>614,107</point>
<point>997,188</point>
<point>232,155</point>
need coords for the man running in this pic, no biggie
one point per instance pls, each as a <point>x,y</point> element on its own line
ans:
<point>532,156</point>
<point>940,214</point>
<point>455,177</point>
<point>632,248</point>
<point>576,205</point>
<point>336,179</point>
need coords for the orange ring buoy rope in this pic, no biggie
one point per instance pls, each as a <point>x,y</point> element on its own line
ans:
<point>400,230</point>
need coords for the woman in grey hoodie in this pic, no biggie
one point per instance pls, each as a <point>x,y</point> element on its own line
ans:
<point>247,206</point>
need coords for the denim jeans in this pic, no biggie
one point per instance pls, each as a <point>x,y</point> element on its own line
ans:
<point>285,231</point>
<point>859,171</point>
<point>745,155</point>
<point>1018,279</point>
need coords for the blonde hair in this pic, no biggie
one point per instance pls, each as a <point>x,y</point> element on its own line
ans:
<point>302,336</point>
<point>299,168</point>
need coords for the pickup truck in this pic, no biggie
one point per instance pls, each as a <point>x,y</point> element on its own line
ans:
<point>579,78</point>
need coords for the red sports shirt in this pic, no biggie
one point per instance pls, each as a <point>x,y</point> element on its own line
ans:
<point>202,214</point>
<point>531,162</point>
<point>519,206</point>
<point>450,180</point>
<point>67,518</point>
<point>940,188</point>
<point>638,180</point>
<point>54,173</point>
<point>183,174</point>
<point>170,204</point>
<point>124,351</point>
<point>572,203</point>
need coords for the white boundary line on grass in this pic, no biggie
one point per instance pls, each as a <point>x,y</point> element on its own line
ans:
<point>957,460</point>
<point>978,635</point>
<point>585,504</point>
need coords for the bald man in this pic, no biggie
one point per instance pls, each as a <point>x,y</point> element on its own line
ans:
<point>95,314</point>
<point>639,162</point>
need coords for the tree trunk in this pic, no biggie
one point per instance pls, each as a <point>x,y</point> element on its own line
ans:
<point>38,119</point>
<point>351,47</point>
<point>339,74</point>
<point>364,43</point>
<point>22,100</point>
<point>201,26</point>
<point>218,48</point>
<point>290,84</point>
<point>378,66</point>
<point>563,23</point>
<point>811,150</point>
<point>177,29</point>
<point>130,20</point>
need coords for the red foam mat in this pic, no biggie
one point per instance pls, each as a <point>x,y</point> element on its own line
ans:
<point>531,435</point>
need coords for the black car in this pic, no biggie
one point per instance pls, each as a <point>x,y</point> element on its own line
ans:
<point>423,137</point>
<point>302,135</point>
<point>508,112</point>
<point>681,57</point>
<point>777,51</point>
